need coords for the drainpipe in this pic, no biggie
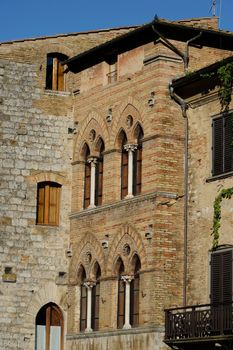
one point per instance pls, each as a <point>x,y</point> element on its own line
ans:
<point>184,107</point>
<point>185,55</point>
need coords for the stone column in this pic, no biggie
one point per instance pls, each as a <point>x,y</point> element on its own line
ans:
<point>89,286</point>
<point>92,161</point>
<point>127,280</point>
<point>130,149</point>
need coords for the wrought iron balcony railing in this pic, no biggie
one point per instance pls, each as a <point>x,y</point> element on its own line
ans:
<point>198,321</point>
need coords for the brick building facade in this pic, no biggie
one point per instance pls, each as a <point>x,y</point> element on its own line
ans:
<point>93,189</point>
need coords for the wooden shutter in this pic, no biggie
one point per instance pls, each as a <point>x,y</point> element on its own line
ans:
<point>121,304</point>
<point>217,146</point>
<point>228,147</point>
<point>83,308</point>
<point>60,77</point>
<point>222,145</point>
<point>55,73</point>
<point>54,204</point>
<point>87,185</point>
<point>40,204</point>
<point>221,277</point>
<point>124,174</point>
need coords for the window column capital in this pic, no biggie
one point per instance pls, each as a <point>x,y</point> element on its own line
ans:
<point>89,284</point>
<point>92,160</point>
<point>130,147</point>
<point>127,278</point>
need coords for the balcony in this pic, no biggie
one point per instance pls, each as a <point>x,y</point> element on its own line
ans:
<point>199,327</point>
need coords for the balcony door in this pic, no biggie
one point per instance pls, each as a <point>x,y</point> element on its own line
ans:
<point>221,290</point>
<point>49,328</point>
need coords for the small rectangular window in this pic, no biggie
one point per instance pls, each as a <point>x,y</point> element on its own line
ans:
<point>48,203</point>
<point>112,74</point>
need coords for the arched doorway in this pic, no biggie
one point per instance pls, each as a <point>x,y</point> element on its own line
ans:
<point>49,328</point>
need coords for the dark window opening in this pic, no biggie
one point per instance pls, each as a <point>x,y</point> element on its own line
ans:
<point>137,166</point>
<point>99,176</point>
<point>83,303</point>
<point>95,302</point>
<point>124,166</point>
<point>121,297</point>
<point>134,294</point>
<point>87,177</point>
<point>55,78</point>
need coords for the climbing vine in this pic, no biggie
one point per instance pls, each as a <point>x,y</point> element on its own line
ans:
<point>225,74</point>
<point>225,193</point>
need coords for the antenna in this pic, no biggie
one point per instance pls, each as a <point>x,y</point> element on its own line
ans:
<point>213,7</point>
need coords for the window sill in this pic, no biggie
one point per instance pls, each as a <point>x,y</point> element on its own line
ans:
<point>57,93</point>
<point>219,177</point>
<point>118,332</point>
<point>47,225</point>
<point>120,203</point>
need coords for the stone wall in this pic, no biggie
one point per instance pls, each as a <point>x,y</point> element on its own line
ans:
<point>34,147</point>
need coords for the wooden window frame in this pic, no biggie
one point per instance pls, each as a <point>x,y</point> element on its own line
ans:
<point>48,202</point>
<point>222,147</point>
<point>49,310</point>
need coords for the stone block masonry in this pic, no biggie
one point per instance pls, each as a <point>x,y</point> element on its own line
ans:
<point>34,146</point>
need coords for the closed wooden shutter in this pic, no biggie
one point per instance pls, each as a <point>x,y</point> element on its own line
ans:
<point>40,204</point>
<point>228,146</point>
<point>221,277</point>
<point>99,181</point>
<point>60,77</point>
<point>54,204</point>
<point>222,145</point>
<point>48,203</point>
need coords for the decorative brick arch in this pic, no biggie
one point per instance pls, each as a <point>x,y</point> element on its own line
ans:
<point>88,244</point>
<point>57,48</point>
<point>42,176</point>
<point>130,106</point>
<point>93,121</point>
<point>127,235</point>
<point>49,293</point>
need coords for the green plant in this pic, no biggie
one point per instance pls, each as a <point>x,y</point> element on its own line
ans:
<point>225,74</point>
<point>225,193</point>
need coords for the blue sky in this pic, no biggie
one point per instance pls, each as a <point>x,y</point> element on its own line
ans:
<point>33,18</point>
